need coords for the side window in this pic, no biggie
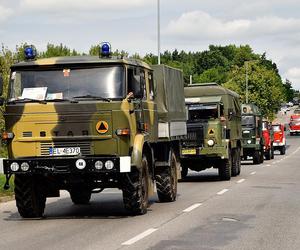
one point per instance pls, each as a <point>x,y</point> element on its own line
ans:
<point>143,83</point>
<point>151,86</point>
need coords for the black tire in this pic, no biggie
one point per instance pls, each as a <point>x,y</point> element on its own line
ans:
<point>256,157</point>
<point>282,150</point>
<point>268,155</point>
<point>291,133</point>
<point>184,171</point>
<point>272,152</point>
<point>239,161</point>
<point>80,196</point>
<point>29,195</point>
<point>235,159</point>
<point>135,189</point>
<point>225,169</point>
<point>166,182</point>
<point>261,156</point>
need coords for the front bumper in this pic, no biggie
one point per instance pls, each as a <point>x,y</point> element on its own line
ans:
<point>205,152</point>
<point>67,165</point>
<point>278,144</point>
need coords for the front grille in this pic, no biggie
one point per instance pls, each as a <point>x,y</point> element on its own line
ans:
<point>85,147</point>
<point>195,135</point>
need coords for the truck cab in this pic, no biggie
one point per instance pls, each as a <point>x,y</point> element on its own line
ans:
<point>279,138</point>
<point>83,124</point>
<point>253,142</point>
<point>214,130</point>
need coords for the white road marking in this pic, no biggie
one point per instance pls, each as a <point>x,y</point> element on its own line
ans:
<point>139,237</point>
<point>241,180</point>
<point>189,209</point>
<point>268,165</point>
<point>223,191</point>
<point>253,173</point>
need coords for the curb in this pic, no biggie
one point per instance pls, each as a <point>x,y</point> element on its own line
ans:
<point>7,198</point>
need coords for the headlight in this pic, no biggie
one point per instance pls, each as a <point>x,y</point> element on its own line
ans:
<point>210,143</point>
<point>25,166</point>
<point>98,165</point>
<point>14,166</point>
<point>249,141</point>
<point>80,164</point>
<point>109,165</point>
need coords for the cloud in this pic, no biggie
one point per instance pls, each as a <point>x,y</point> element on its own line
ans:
<point>71,5</point>
<point>199,24</point>
<point>5,13</point>
<point>293,74</point>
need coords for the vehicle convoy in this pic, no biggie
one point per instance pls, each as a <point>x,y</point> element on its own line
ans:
<point>279,138</point>
<point>83,124</point>
<point>295,122</point>
<point>253,141</point>
<point>214,130</point>
<point>268,135</point>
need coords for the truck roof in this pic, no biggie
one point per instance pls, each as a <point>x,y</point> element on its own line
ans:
<point>74,60</point>
<point>207,89</point>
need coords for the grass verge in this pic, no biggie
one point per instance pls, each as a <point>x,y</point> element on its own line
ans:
<point>8,192</point>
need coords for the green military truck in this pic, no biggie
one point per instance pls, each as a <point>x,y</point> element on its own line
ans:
<point>214,130</point>
<point>253,141</point>
<point>83,124</point>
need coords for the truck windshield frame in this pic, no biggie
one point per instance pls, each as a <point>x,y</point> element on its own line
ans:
<point>248,121</point>
<point>66,83</point>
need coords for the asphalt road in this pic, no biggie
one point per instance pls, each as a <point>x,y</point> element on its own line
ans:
<point>260,209</point>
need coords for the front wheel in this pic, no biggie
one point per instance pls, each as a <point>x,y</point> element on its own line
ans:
<point>268,155</point>
<point>225,168</point>
<point>184,171</point>
<point>256,157</point>
<point>29,195</point>
<point>236,163</point>
<point>135,189</point>
<point>282,150</point>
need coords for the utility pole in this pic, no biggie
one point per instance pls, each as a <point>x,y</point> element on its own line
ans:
<point>247,97</point>
<point>158,31</point>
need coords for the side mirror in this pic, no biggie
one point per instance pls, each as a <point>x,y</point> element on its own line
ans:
<point>1,85</point>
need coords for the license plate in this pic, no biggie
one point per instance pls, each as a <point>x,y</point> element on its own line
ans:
<point>64,151</point>
<point>190,151</point>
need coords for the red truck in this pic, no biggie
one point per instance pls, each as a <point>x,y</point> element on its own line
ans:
<point>279,138</point>
<point>295,122</point>
<point>268,140</point>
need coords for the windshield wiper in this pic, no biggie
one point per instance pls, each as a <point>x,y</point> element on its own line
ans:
<point>62,100</point>
<point>92,97</point>
<point>23,100</point>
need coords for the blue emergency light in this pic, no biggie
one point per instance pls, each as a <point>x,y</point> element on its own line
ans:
<point>105,49</point>
<point>30,52</point>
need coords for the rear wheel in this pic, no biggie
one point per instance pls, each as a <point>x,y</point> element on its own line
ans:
<point>282,150</point>
<point>29,195</point>
<point>272,152</point>
<point>268,154</point>
<point>236,160</point>
<point>256,157</point>
<point>184,171</point>
<point>166,181</point>
<point>225,168</point>
<point>135,189</point>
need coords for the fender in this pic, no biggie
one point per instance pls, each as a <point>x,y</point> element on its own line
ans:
<point>137,150</point>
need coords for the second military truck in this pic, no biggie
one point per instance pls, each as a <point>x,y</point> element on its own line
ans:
<point>214,130</point>
<point>83,124</point>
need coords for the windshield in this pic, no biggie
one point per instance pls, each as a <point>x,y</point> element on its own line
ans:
<point>203,111</point>
<point>67,83</point>
<point>248,120</point>
<point>276,128</point>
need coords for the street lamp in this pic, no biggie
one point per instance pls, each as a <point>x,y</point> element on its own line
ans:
<point>158,31</point>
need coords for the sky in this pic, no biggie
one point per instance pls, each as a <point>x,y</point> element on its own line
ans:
<point>271,26</point>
